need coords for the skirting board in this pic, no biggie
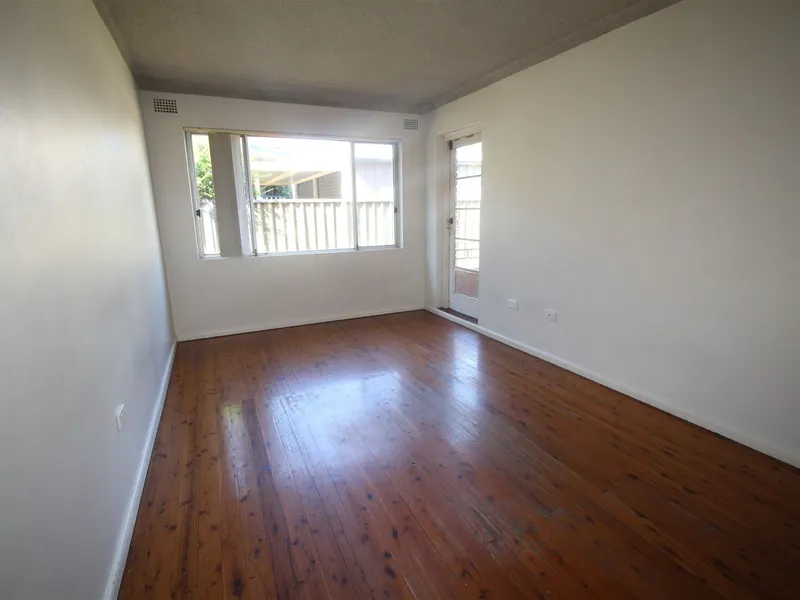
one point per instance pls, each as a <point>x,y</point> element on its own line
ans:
<point>297,323</point>
<point>124,542</point>
<point>660,404</point>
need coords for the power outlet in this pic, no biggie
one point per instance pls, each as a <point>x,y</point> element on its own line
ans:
<point>513,304</point>
<point>120,413</point>
<point>551,315</point>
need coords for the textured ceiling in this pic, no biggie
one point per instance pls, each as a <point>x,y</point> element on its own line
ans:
<point>397,55</point>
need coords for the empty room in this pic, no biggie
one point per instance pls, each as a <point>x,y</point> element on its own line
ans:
<point>399,299</point>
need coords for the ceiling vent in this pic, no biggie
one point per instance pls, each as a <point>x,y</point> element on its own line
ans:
<point>411,124</point>
<point>165,105</point>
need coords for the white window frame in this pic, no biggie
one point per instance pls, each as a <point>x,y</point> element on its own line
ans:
<point>249,200</point>
<point>196,218</point>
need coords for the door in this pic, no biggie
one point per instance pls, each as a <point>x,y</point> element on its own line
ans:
<point>466,157</point>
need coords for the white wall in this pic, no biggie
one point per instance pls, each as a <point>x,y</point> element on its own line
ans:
<point>229,295</point>
<point>84,319</point>
<point>646,185</point>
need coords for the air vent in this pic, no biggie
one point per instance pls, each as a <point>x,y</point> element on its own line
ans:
<point>410,123</point>
<point>165,105</point>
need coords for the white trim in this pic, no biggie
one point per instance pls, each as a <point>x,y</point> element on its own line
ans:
<point>466,139</point>
<point>124,541</point>
<point>398,192</point>
<point>659,403</point>
<point>441,174</point>
<point>462,132</point>
<point>297,322</point>
<point>191,172</point>
<point>354,203</point>
<point>210,257</point>
<point>289,134</point>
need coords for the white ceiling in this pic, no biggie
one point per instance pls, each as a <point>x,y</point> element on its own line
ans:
<point>396,55</point>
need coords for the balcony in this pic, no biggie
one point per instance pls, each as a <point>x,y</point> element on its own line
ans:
<point>307,225</point>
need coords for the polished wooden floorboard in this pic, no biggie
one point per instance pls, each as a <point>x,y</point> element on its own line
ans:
<point>404,456</point>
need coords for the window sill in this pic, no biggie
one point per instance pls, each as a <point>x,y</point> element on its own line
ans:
<point>304,253</point>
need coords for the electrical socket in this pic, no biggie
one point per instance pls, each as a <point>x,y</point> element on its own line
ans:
<point>551,315</point>
<point>513,304</point>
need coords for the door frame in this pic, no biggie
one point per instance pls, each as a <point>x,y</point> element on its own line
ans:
<point>454,140</point>
<point>440,169</point>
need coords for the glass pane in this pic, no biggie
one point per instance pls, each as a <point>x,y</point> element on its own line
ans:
<point>375,194</point>
<point>467,230</point>
<point>468,223</point>
<point>466,283</point>
<point>468,192</point>
<point>201,154</point>
<point>468,160</point>
<point>467,254</point>
<point>302,194</point>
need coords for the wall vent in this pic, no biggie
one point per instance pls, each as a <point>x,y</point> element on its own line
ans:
<point>165,105</point>
<point>410,123</point>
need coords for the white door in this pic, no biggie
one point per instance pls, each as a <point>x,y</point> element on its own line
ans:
<point>466,157</point>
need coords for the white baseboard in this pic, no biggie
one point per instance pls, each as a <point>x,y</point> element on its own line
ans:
<point>658,403</point>
<point>297,322</point>
<point>124,542</point>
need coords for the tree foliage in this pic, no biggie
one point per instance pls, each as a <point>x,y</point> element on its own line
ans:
<point>202,168</point>
<point>205,178</point>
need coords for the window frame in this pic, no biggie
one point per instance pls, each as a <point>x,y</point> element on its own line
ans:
<point>397,153</point>
<point>197,220</point>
